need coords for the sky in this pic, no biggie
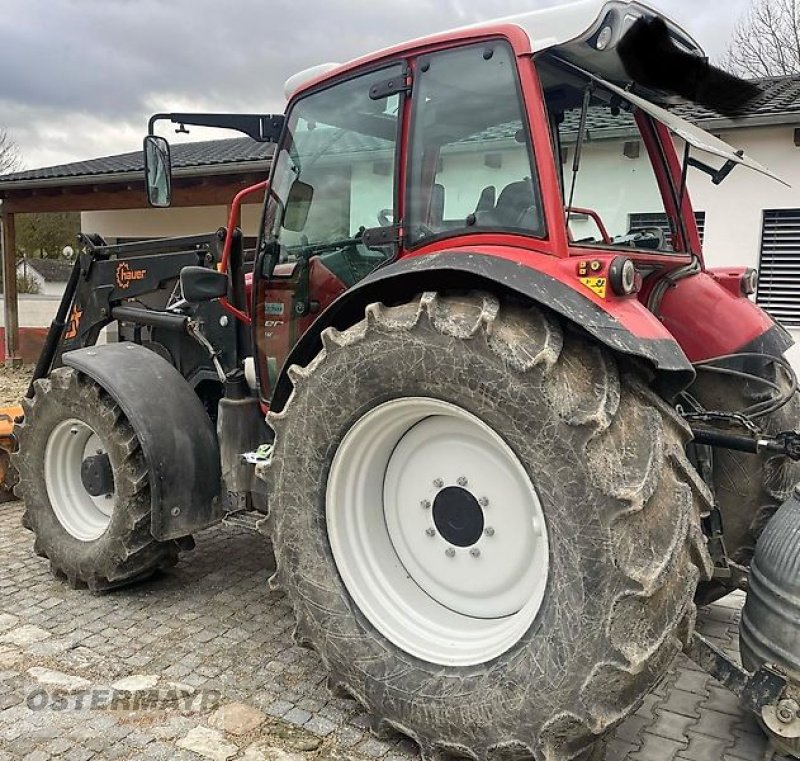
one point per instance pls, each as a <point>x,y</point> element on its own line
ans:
<point>79,78</point>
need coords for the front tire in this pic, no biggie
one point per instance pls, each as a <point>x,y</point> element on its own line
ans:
<point>93,527</point>
<point>427,391</point>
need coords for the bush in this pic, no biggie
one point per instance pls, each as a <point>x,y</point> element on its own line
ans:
<point>25,284</point>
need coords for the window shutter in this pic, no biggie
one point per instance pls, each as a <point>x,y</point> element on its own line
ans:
<point>779,268</point>
<point>641,221</point>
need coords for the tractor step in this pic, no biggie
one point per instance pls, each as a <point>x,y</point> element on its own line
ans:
<point>249,520</point>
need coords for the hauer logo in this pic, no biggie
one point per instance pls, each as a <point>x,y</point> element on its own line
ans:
<point>125,275</point>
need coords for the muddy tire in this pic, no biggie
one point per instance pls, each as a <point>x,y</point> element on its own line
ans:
<point>102,541</point>
<point>748,488</point>
<point>605,457</point>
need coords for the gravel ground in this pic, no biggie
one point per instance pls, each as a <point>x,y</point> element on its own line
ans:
<point>210,634</point>
<point>13,384</point>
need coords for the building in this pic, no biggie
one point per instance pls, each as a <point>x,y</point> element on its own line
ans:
<point>49,275</point>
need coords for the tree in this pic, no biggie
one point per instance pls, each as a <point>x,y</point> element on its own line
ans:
<point>45,235</point>
<point>9,154</point>
<point>766,42</point>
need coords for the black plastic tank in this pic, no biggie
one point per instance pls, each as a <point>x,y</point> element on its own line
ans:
<point>769,633</point>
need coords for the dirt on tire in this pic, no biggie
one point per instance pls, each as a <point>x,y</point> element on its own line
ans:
<point>623,504</point>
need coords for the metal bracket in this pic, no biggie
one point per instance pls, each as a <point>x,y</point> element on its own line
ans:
<point>756,691</point>
<point>374,237</point>
<point>392,86</point>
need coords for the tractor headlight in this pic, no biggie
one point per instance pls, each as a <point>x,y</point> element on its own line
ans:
<point>622,276</point>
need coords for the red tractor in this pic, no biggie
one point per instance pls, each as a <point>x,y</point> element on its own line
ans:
<point>512,439</point>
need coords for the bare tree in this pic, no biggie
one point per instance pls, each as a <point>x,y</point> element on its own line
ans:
<point>9,154</point>
<point>766,42</point>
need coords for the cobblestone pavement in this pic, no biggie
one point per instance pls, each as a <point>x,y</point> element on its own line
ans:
<point>209,633</point>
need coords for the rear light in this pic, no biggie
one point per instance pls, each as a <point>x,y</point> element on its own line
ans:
<point>749,282</point>
<point>622,276</point>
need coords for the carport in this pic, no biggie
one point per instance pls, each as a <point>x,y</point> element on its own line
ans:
<point>206,174</point>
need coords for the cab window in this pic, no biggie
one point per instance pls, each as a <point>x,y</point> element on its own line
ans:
<point>471,167</point>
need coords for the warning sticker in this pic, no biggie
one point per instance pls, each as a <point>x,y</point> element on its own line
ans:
<point>596,284</point>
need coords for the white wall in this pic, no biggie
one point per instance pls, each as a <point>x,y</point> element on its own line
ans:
<point>166,223</point>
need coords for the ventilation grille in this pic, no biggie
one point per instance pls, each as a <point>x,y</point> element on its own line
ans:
<point>779,268</point>
<point>660,220</point>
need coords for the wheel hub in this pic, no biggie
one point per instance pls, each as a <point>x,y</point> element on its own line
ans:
<point>96,475</point>
<point>458,517</point>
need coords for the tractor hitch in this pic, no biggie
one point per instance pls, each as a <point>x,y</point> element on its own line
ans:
<point>763,689</point>
<point>786,443</point>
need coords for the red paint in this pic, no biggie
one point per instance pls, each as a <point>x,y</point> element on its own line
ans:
<point>233,219</point>
<point>607,239</point>
<point>707,320</point>
<point>279,328</point>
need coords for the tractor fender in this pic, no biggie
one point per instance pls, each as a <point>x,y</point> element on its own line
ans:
<point>397,282</point>
<point>176,435</point>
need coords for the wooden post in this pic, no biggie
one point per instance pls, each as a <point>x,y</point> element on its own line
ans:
<point>10,304</point>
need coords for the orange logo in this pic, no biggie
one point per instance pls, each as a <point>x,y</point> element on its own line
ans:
<point>125,275</point>
<point>74,320</point>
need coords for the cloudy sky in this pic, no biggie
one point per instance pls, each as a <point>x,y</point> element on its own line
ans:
<point>79,78</point>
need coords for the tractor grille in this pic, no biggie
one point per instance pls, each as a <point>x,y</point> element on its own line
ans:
<point>779,268</point>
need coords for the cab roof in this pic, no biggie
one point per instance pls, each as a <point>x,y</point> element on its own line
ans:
<point>573,28</point>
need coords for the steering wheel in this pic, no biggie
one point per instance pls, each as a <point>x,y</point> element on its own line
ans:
<point>386,218</point>
<point>645,234</point>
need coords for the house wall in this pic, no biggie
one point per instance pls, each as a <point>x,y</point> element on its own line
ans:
<point>166,223</point>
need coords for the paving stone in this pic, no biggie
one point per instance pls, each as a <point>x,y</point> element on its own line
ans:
<point>58,682</point>
<point>655,748</point>
<point>236,718</point>
<point>260,751</point>
<point>136,683</point>
<point>671,725</point>
<point>208,743</point>
<point>704,748</point>
<point>24,635</point>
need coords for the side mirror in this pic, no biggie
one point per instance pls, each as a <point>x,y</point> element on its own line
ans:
<point>298,204</point>
<point>200,284</point>
<point>157,171</point>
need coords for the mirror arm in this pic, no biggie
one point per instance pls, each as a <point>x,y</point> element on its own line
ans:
<point>263,128</point>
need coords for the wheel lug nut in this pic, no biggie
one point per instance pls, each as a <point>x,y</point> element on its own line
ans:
<point>73,431</point>
<point>450,552</point>
<point>426,504</point>
<point>475,552</point>
<point>462,481</point>
<point>489,531</point>
<point>430,532</point>
<point>483,502</point>
<point>438,483</point>
<point>108,496</point>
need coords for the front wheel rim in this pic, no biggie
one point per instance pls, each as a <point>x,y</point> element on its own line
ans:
<point>82,515</point>
<point>437,531</point>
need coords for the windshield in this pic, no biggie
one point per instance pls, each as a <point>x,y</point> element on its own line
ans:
<point>471,162</point>
<point>334,174</point>
<point>611,193</point>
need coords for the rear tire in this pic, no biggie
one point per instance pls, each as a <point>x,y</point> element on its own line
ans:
<point>621,508</point>
<point>748,488</point>
<point>103,541</point>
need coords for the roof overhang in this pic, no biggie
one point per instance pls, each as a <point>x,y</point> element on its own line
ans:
<point>135,176</point>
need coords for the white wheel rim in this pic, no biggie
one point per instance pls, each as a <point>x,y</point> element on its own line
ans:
<point>83,516</point>
<point>437,531</point>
